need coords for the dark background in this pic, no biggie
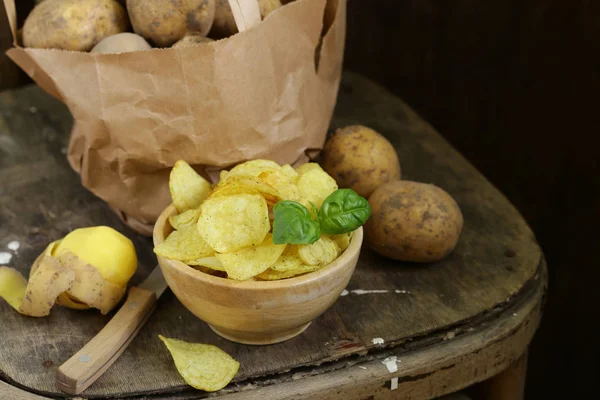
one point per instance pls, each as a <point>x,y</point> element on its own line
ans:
<point>514,85</point>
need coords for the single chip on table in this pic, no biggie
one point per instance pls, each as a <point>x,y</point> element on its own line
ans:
<point>188,189</point>
<point>253,167</point>
<point>289,260</point>
<point>272,275</point>
<point>282,184</point>
<point>251,261</point>
<point>316,185</point>
<point>202,366</point>
<point>321,252</point>
<point>184,244</point>
<point>187,218</point>
<point>209,262</point>
<point>89,287</point>
<point>230,223</point>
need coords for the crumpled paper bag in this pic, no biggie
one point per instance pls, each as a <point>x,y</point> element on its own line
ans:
<point>257,94</point>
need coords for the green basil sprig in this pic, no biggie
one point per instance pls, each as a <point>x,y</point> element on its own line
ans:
<point>342,211</point>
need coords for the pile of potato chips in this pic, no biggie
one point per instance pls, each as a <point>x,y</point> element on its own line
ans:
<point>226,229</point>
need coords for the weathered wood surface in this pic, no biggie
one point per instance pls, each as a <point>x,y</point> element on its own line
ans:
<point>41,200</point>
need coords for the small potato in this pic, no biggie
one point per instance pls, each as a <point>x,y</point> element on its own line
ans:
<point>413,221</point>
<point>224,24</point>
<point>192,40</point>
<point>164,22</point>
<point>76,25</point>
<point>121,43</point>
<point>361,159</point>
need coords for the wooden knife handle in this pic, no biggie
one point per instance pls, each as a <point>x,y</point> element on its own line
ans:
<point>81,370</point>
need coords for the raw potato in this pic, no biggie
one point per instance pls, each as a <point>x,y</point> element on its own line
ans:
<point>73,24</point>
<point>192,40</point>
<point>121,43</point>
<point>224,24</point>
<point>164,22</point>
<point>413,221</point>
<point>361,159</point>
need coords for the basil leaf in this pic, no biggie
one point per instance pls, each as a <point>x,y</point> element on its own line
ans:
<point>343,211</point>
<point>293,224</point>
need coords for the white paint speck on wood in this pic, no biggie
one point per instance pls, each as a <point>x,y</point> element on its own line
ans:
<point>5,258</point>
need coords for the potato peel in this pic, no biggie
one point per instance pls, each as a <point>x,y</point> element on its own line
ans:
<point>202,366</point>
<point>45,285</point>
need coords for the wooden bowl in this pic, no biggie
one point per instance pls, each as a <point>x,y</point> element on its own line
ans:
<point>256,312</point>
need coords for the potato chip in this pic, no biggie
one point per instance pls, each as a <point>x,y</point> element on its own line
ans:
<point>232,222</point>
<point>184,244</point>
<point>289,260</point>
<point>222,175</point>
<point>188,189</point>
<point>12,286</point>
<point>272,275</point>
<point>282,184</point>
<point>315,185</point>
<point>209,262</point>
<point>89,287</point>
<point>251,261</point>
<point>240,184</point>
<point>202,366</point>
<point>321,252</point>
<point>304,168</point>
<point>49,280</point>
<point>187,218</point>
<point>253,167</point>
<point>342,240</point>
<point>290,172</point>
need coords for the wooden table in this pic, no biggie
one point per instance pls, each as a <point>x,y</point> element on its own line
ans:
<point>466,319</point>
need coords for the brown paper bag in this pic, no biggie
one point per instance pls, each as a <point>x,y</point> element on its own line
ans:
<point>256,94</point>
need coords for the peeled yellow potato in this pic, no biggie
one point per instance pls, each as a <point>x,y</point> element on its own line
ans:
<point>224,24</point>
<point>106,249</point>
<point>164,22</point>
<point>76,25</point>
<point>121,43</point>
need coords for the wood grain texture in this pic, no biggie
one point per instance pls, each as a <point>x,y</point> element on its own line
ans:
<point>41,200</point>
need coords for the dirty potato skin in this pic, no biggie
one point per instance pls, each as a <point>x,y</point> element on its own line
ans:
<point>76,25</point>
<point>164,22</point>
<point>224,24</point>
<point>192,40</point>
<point>413,221</point>
<point>361,159</point>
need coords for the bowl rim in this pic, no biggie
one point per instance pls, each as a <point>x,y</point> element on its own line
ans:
<point>338,264</point>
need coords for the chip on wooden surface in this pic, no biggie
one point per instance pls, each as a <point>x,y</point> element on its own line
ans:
<point>188,189</point>
<point>272,275</point>
<point>184,244</point>
<point>321,252</point>
<point>288,260</point>
<point>315,185</point>
<point>230,223</point>
<point>251,261</point>
<point>202,366</point>
<point>187,218</point>
<point>209,262</point>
